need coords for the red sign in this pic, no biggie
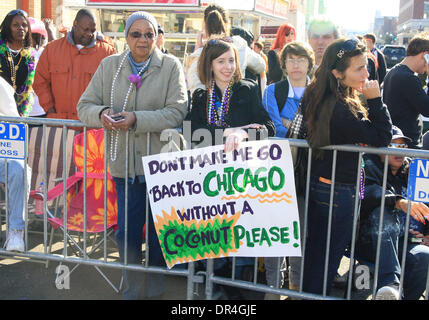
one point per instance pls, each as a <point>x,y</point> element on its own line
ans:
<point>272,7</point>
<point>146,2</point>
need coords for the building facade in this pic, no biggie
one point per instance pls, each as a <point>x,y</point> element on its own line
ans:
<point>35,8</point>
<point>181,20</point>
<point>413,18</point>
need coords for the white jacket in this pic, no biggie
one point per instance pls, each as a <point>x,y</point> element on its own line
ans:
<point>246,56</point>
<point>7,100</point>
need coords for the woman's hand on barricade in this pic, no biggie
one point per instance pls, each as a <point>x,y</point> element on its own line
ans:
<point>233,138</point>
<point>252,126</point>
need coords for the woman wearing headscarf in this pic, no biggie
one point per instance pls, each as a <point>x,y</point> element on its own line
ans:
<point>139,92</point>
<point>17,58</point>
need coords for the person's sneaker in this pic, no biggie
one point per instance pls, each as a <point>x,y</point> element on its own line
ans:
<point>388,293</point>
<point>15,241</point>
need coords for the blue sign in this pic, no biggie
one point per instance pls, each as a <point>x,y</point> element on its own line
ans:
<point>418,180</point>
<point>12,141</point>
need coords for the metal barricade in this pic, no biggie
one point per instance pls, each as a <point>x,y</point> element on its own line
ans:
<point>84,259</point>
<point>212,279</point>
<point>208,275</point>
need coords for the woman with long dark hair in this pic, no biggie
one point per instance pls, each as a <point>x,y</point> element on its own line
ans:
<point>17,58</point>
<point>334,115</point>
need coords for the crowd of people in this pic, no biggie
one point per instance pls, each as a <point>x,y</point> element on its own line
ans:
<point>338,87</point>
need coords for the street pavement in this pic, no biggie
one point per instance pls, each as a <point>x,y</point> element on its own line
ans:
<point>23,279</point>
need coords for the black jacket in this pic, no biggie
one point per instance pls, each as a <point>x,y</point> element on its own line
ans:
<point>275,72</point>
<point>396,185</point>
<point>345,128</point>
<point>407,101</point>
<point>382,68</point>
<point>245,108</point>
<point>396,188</point>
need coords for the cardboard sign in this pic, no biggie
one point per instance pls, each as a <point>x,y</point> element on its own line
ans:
<point>209,204</point>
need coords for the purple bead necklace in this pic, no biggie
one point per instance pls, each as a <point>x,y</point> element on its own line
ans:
<point>218,117</point>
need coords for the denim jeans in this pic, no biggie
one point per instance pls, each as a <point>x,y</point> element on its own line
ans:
<point>136,219</point>
<point>341,232</point>
<point>391,248</point>
<point>17,194</point>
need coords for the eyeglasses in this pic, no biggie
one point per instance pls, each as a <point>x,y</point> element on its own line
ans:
<point>347,46</point>
<point>299,61</point>
<point>137,35</point>
<point>16,11</point>
<point>398,145</point>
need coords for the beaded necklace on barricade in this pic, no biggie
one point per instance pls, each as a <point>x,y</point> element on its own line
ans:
<point>18,69</point>
<point>134,79</point>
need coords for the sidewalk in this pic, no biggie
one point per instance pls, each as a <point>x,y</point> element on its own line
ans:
<point>23,279</point>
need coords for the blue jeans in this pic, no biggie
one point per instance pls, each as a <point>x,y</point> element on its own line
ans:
<point>136,220</point>
<point>17,193</point>
<point>341,233</point>
<point>391,248</point>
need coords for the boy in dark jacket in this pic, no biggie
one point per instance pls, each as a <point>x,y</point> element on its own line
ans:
<point>392,235</point>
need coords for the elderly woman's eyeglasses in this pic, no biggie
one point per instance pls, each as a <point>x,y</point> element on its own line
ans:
<point>398,145</point>
<point>14,12</point>
<point>137,35</point>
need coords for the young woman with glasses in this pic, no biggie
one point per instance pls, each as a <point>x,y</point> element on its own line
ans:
<point>334,115</point>
<point>17,58</point>
<point>296,61</point>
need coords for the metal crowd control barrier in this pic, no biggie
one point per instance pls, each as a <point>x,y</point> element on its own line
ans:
<point>208,275</point>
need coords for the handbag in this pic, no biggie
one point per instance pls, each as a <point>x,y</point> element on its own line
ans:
<point>298,130</point>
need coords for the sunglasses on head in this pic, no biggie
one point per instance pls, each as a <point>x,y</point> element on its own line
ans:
<point>212,42</point>
<point>347,46</point>
<point>137,35</point>
<point>17,11</point>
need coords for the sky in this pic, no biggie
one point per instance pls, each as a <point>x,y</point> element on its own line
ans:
<point>359,14</point>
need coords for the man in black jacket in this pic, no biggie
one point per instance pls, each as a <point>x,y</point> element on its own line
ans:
<point>370,40</point>
<point>392,235</point>
<point>403,93</point>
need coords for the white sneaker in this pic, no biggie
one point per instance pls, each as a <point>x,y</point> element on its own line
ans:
<point>15,241</point>
<point>387,293</point>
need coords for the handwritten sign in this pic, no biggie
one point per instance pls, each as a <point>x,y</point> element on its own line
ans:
<point>12,140</point>
<point>208,204</point>
<point>418,180</point>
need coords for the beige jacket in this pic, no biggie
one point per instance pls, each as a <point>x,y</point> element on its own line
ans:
<point>159,104</point>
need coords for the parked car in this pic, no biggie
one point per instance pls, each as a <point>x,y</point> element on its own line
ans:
<point>393,54</point>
